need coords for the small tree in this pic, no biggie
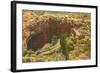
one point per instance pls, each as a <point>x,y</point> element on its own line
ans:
<point>66,45</point>
<point>63,43</point>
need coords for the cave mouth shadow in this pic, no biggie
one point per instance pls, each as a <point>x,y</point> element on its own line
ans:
<point>36,41</point>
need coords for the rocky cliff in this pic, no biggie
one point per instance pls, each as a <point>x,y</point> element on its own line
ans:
<point>42,30</point>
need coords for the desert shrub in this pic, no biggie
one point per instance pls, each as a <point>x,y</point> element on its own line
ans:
<point>64,45</point>
<point>27,60</point>
<point>24,52</point>
<point>81,37</point>
<point>39,60</point>
<point>28,52</point>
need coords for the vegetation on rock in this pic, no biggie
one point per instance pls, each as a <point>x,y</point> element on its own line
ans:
<point>55,36</point>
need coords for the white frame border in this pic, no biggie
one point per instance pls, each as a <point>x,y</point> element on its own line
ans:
<point>21,65</point>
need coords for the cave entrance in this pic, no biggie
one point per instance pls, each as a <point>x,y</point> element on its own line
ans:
<point>35,41</point>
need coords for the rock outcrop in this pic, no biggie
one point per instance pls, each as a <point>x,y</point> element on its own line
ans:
<point>47,28</point>
<point>39,29</point>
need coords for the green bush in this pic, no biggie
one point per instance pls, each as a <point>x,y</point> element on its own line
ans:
<point>64,45</point>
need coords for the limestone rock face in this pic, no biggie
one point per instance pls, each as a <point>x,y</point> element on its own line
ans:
<point>36,33</point>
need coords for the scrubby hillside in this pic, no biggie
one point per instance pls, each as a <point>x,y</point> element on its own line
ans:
<point>56,36</point>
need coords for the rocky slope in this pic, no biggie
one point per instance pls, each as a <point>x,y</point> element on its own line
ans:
<point>42,32</point>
